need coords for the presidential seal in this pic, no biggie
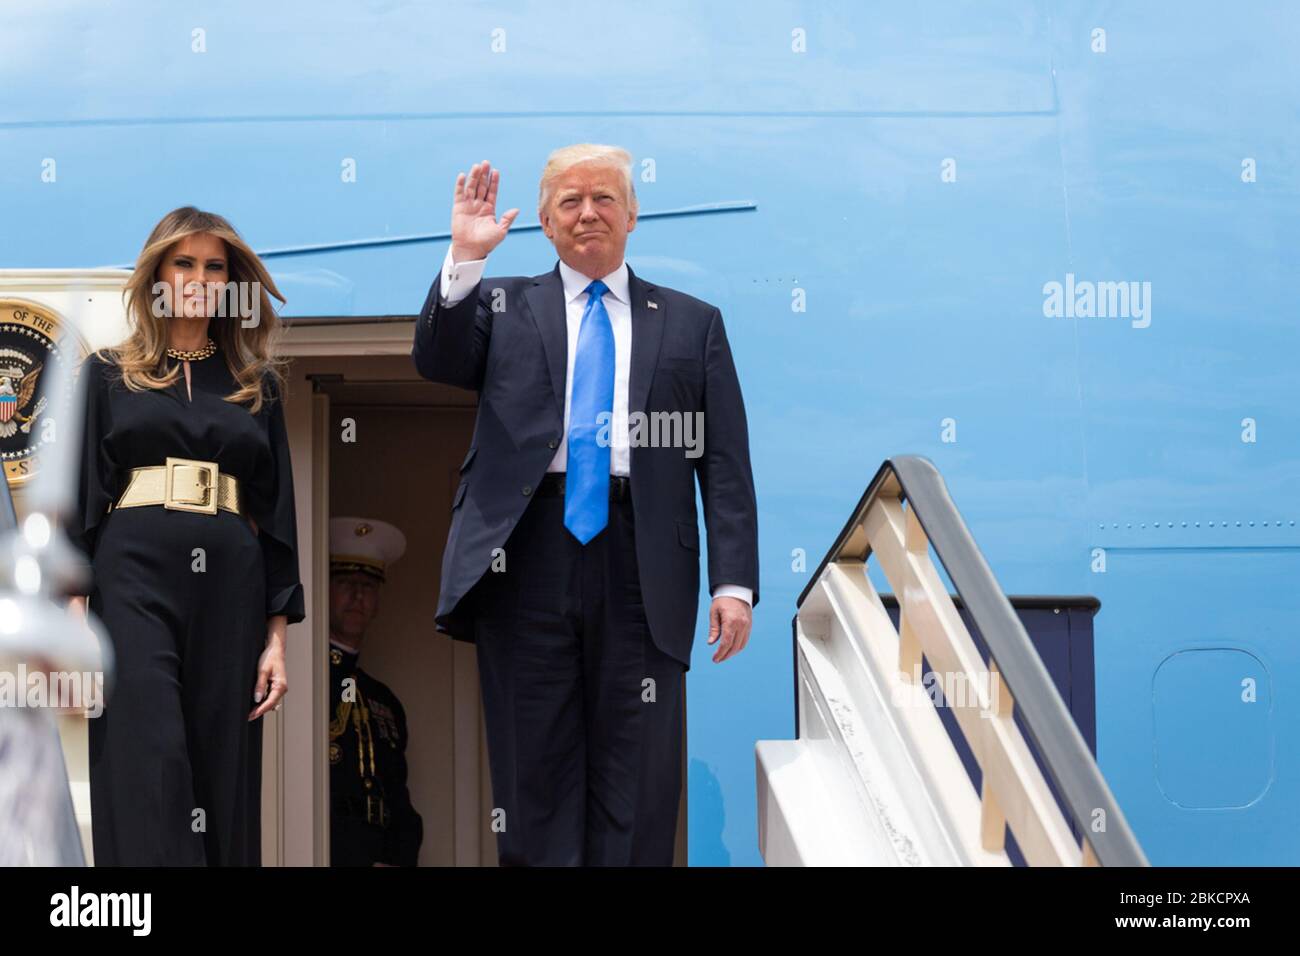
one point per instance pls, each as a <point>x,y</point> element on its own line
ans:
<point>33,340</point>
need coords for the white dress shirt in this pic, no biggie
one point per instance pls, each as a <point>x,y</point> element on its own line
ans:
<point>459,279</point>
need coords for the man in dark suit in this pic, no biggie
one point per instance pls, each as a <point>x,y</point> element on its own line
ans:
<point>572,560</point>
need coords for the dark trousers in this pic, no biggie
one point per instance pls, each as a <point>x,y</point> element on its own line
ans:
<point>583,712</point>
<point>175,764</point>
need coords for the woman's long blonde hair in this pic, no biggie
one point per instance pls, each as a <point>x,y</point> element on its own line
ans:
<point>249,352</point>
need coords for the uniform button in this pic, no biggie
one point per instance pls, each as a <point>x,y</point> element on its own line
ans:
<point>528,489</point>
<point>553,443</point>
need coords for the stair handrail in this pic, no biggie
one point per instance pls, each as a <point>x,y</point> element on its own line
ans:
<point>1062,749</point>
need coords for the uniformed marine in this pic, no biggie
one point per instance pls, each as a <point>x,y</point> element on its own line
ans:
<point>372,821</point>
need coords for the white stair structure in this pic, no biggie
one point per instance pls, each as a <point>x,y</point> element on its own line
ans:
<point>44,788</point>
<point>873,778</point>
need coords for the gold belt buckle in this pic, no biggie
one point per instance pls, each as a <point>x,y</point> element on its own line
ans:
<point>191,485</point>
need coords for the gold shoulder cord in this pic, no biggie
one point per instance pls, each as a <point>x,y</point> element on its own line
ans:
<point>365,738</point>
<point>340,721</point>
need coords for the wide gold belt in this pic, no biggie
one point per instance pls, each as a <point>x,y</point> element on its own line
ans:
<point>182,484</point>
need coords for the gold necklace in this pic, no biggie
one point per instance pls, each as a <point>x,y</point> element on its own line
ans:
<point>193,355</point>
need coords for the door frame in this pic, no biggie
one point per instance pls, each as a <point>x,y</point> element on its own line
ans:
<point>296,751</point>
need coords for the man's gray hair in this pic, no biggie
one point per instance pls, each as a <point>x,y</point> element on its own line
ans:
<point>567,156</point>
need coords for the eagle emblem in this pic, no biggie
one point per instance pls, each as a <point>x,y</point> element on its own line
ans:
<point>17,389</point>
<point>35,343</point>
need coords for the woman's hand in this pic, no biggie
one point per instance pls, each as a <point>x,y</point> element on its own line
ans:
<point>272,683</point>
<point>88,701</point>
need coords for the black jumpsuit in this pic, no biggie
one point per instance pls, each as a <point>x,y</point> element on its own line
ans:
<point>175,764</point>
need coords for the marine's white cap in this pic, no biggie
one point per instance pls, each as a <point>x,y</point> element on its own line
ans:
<point>364,544</point>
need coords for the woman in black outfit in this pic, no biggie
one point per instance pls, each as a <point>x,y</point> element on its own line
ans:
<point>186,515</point>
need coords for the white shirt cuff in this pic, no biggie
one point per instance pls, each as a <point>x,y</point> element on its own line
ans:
<point>736,591</point>
<point>459,278</point>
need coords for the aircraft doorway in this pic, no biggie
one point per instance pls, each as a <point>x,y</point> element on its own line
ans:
<point>395,444</point>
<point>384,444</point>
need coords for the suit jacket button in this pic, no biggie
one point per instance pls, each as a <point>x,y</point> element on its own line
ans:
<point>528,489</point>
<point>553,444</point>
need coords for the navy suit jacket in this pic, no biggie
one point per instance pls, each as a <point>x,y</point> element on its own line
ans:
<point>515,357</point>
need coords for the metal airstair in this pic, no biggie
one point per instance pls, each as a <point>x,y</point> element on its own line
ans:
<point>874,777</point>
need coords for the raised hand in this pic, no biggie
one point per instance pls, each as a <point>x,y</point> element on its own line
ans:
<point>475,230</point>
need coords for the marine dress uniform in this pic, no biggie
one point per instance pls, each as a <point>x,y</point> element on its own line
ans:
<point>372,819</point>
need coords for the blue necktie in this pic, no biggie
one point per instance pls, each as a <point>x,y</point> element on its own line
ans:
<point>591,408</point>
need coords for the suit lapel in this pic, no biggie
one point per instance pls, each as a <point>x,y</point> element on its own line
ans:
<point>647,336</point>
<point>545,299</point>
